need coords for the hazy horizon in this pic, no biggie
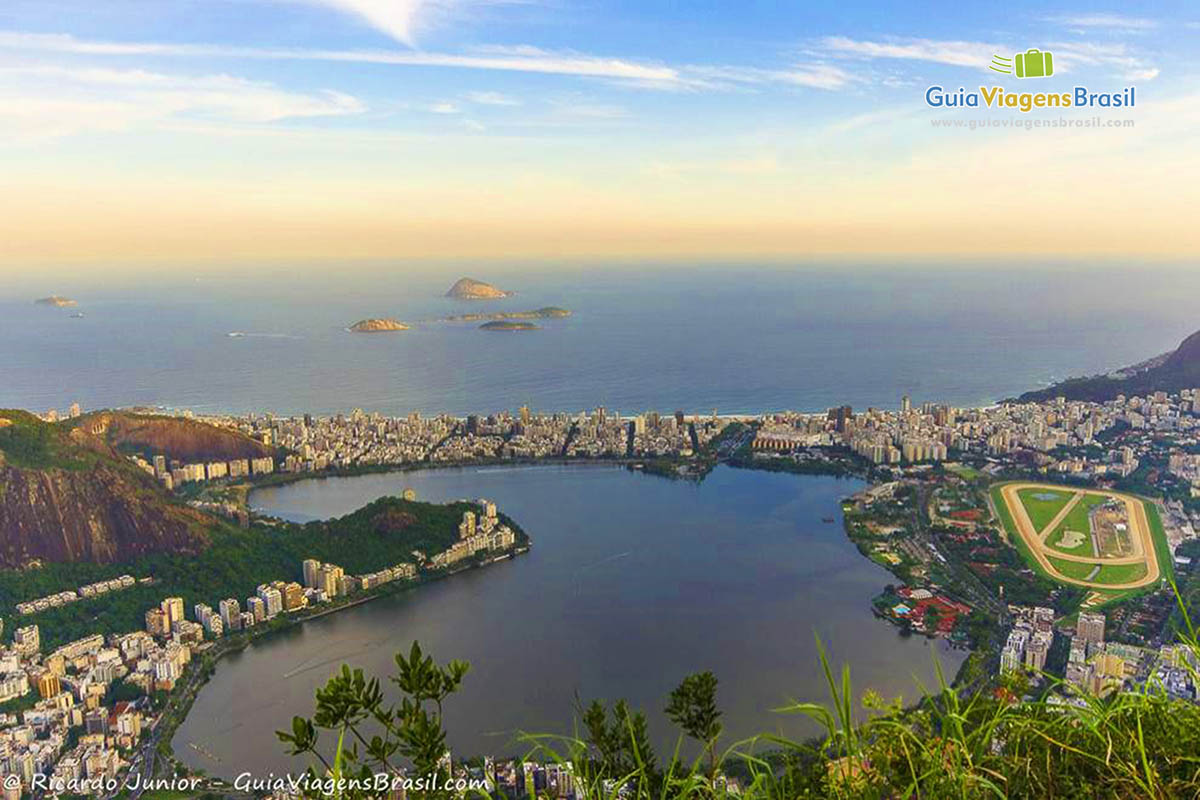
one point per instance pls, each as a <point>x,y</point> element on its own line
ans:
<point>257,129</point>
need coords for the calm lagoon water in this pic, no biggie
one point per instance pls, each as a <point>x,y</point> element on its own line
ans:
<point>633,582</point>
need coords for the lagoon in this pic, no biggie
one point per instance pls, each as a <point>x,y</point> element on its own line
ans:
<point>633,581</point>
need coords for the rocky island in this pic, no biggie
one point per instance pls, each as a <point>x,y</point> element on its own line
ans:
<point>471,289</point>
<point>506,325</point>
<point>377,326</point>
<point>549,312</point>
<point>56,301</point>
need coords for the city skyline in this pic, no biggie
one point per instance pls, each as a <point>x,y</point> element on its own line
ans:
<point>258,129</point>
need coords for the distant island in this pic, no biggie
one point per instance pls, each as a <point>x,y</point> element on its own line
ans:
<point>505,325</point>
<point>471,289</point>
<point>56,301</point>
<point>549,312</point>
<point>377,326</point>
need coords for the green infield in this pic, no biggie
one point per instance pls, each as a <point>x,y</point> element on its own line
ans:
<point>1043,505</point>
<point>1065,540</point>
<point>1073,569</point>
<point>1120,573</point>
<point>1078,519</point>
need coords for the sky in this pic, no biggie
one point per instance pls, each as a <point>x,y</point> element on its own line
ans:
<point>145,132</point>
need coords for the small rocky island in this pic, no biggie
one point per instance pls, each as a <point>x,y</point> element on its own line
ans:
<point>508,325</point>
<point>549,312</point>
<point>376,325</point>
<point>471,289</point>
<point>56,301</point>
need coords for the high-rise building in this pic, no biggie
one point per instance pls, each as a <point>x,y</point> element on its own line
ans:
<point>27,640</point>
<point>329,578</point>
<point>272,598</point>
<point>1090,627</point>
<point>157,622</point>
<point>841,417</point>
<point>173,608</point>
<point>257,607</point>
<point>203,612</point>
<point>231,613</point>
<point>1037,649</point>
<point>293,597</point>
<point>312,568</point>
<point>48,685</point>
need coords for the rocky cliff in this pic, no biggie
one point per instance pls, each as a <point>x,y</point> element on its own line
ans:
<point>67,495</point>
<point>185,440</point>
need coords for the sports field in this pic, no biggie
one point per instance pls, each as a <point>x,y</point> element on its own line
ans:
<point>1084,537</point>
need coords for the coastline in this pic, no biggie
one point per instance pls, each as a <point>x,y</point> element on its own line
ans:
<point>211,658</point>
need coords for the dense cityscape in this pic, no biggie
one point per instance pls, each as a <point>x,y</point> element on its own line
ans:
<point>90,711</point>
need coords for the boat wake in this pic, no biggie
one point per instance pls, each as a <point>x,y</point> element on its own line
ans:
<point>252,335</point>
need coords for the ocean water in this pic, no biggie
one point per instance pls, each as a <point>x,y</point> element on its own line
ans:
<point>737,338</point>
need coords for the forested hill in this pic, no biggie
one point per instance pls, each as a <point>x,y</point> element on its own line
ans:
<point>234,563</point>
<point>1180,370</point>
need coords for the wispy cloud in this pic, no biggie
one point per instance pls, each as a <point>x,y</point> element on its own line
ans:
<point>813,76</point>
<point>589,110</point>
<point>522,58</point>
<point>957,53</point>
<point>1113,55</point>
<point>515,59</point>
<point>884,118</point>
<point>1111,21</point>
<point>50,100</point>
<point>492,99</point>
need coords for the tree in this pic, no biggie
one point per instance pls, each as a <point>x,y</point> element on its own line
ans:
<point>622,747</point>
<point>411,729</point>
<point>693,707</point>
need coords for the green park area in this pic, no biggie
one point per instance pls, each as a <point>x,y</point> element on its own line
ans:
<point>1043,505</point>
<point>1069,540</point>
<point>1075,570</point>
<point>1074,534</point>
<point>1120,573</point>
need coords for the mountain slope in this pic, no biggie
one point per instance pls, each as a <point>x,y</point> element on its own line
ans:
<point>67,495</point>
<point>1179,370</point>
<point>177,438</point>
